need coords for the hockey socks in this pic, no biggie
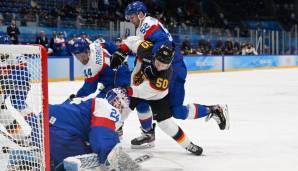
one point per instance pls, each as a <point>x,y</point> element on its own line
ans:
<point>197,111</point>
<point>145,118</point>
<point>173,130</point>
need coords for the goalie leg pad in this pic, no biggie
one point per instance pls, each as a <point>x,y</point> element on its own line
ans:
<point>119,160</point>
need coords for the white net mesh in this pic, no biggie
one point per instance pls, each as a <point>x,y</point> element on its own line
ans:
<point>21,113</point>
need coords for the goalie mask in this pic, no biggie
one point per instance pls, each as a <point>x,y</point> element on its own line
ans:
<point>118,98</point>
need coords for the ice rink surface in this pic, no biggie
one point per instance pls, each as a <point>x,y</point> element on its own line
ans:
<point>263,136</point>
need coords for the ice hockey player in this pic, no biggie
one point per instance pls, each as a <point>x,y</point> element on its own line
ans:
<point>86,125</point>
<point>154,89</point>
<point>97,69</point>
<point>149,28</point>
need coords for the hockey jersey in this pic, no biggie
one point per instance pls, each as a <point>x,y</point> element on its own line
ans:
<point>81,115</point>
<point>97,70</point>
<point>108,45</point>
<point>149,87</point>
<point>152,30</point>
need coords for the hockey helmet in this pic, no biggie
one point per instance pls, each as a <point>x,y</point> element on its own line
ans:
<point>164,54</point>
<point>135,7</point>
<point>118,98</point>
<point>80,45</point>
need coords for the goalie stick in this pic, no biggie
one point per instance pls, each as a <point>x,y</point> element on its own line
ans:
<point>88,161</point>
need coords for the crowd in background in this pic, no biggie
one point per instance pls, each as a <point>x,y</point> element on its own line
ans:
<point>57,44</point>
<point>220,47</point>
<point>201,13</point>
<point>98,13</point>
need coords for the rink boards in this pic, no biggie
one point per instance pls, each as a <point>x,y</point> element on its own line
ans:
<point>63,68</point>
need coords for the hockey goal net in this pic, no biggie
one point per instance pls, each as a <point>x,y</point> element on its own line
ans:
<point>24,137</point>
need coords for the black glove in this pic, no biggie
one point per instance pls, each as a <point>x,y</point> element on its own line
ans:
<point>72,96</point>
<point>117,58</point>
<point>150,71</point>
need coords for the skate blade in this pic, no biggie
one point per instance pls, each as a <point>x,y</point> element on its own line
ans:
<point>143,146</point>
<point>227,116</point>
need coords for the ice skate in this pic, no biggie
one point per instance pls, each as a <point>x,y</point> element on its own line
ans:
<point>146,140</point>
<point>220,114</point>
<point>194,149</point>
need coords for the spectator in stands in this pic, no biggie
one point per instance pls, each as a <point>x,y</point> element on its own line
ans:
<point>85,36</point>
<point>51,45</point>
<point>218,50</point>
<point>201,50</point>
<point>237,48</point>
<point>13,32</point>
<point>1,19</point>
<point>79,21</point>
<point>228,48</point>
<point>54,35</point>
<point>42,39</point>
<point>185,47</point>
<point>72,40</point>
<point>60,45</point>
<point>248,49</point>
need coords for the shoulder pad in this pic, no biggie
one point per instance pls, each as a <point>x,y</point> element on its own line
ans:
<point>145,48</point>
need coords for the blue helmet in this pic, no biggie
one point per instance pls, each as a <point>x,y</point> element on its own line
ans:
<point>80,45</point>
<point>135,7</point>
<point>118,98</point>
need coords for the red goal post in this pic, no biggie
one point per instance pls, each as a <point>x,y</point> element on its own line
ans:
<point>24,133</point>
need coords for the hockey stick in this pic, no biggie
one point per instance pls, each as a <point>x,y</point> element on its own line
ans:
<point>20,143</point>
<point>87,161</point>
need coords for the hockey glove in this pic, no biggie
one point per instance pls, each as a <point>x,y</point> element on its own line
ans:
<point>118,58</point>
<point>150,72</point>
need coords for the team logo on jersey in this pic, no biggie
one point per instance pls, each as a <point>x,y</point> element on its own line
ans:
<point>52,120</point>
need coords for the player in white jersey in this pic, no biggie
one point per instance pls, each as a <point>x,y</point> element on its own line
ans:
<point>96,68</point>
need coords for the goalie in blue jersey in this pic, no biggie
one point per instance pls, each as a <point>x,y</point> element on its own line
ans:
<point>86,125</point>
